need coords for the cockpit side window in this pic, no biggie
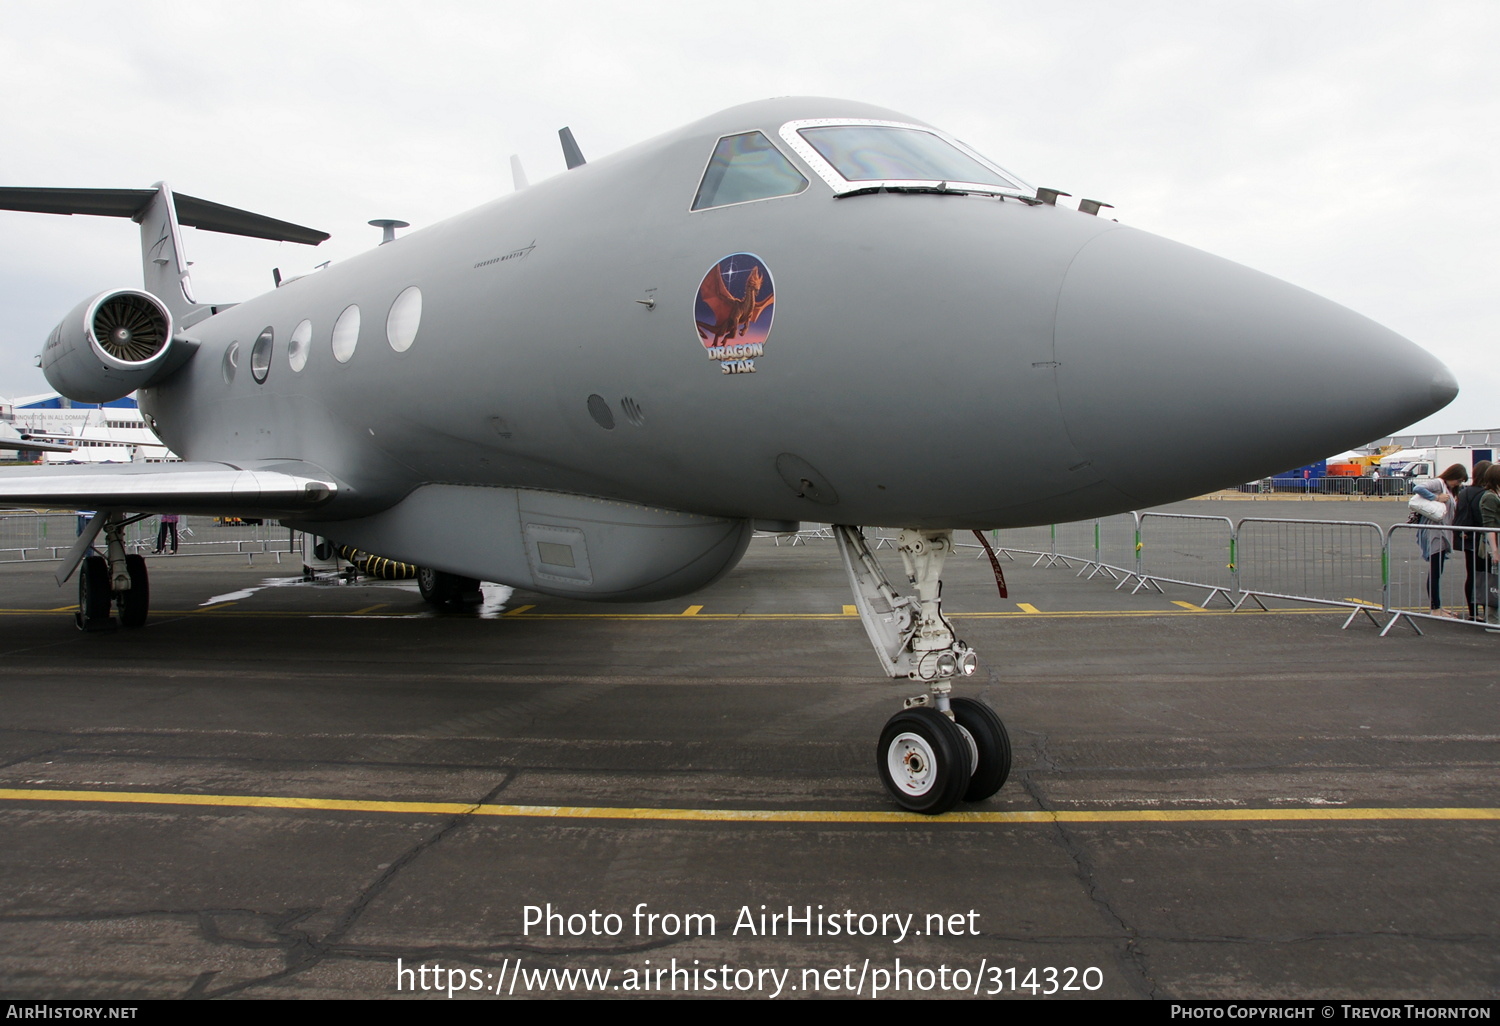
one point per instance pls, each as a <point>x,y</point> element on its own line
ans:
<point>746,167</point>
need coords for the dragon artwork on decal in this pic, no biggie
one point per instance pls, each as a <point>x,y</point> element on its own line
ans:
<point>733,328</point>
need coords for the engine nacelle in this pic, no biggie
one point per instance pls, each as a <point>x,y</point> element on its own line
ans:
<point>111,345</point>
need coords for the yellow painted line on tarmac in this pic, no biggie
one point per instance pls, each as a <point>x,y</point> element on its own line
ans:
<point>1111,613</point>
<point>247,801</point>
<point>525,613</point>
<point>692,611</point>
<point>60,609</point>
<point>851,610</point>
<point>369,609</point>
<point>1187,605</point>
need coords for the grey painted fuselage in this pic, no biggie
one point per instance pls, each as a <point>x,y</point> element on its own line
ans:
<point>936,360</point>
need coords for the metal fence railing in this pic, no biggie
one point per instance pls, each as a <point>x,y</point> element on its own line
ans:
<point>1438,573</point>
<point>1345,487</point>
<point>1187,549</point>
<point>25,537</point>
<point>1356,565</point>
<point>1405,572</point>
<point>1328,562</point>
<point>1039,542</point>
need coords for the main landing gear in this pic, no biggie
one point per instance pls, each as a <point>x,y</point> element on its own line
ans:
<point>939,750</point>
<point>446,590</point>
<point>115,579</point>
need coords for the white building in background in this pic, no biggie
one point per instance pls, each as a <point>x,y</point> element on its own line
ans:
<point>110,433</point>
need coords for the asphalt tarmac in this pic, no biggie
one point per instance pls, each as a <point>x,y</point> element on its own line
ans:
<point>282,790</point>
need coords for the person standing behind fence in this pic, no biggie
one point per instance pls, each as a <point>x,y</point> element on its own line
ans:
<point>1476,555</point>
<point>167,527</point>
<point>1489,519</point>
<point>1434,501</point>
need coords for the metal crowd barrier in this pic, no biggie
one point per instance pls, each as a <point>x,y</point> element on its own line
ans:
<point>1117,545</point>
<point>1327,562</point>
<point>1039,541</point>
<point>1352,564</point>
<point>1386,486</point>
<point>1356,565</point>
<point>27,537</point>
<point>1438,589</point>
<point>1187,549</point>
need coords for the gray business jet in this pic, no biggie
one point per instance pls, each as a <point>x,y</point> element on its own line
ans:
<point>801,309</point>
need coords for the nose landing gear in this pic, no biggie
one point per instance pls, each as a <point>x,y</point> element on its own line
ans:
<point>938,750</point>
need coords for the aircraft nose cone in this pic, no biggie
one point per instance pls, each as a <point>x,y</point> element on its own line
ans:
<point>1444,387</point>
<point>1179,372</point>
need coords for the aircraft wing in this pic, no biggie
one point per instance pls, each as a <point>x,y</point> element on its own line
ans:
<point>32,445</point>
<point>269,488</point>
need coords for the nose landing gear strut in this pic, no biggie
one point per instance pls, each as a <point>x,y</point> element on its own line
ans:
<point>939,750</point>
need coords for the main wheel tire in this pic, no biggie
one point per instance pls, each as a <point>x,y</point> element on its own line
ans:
<point>93,595</point>
<point>923,760</point>
<point>992,742</point>
<point>135,604</point>
<point>445,589</point>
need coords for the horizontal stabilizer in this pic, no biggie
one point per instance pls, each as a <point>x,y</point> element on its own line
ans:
<point>133,203</point>
<point>10,443</point>
<point>271,489</point>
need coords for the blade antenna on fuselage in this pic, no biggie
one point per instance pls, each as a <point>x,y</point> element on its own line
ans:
<point>517,172</point>
<point>571,153</point>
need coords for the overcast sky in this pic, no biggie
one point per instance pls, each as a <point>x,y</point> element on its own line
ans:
<point>1350,148</point>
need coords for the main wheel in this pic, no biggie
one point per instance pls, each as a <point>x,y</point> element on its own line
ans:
<point>924,760</point>
<point>93,595</point>
<point>992,745</point>
<point>445,589</point>
<point>135,603</point>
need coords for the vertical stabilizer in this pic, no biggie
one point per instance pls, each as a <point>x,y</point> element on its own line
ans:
<point>163,264</point>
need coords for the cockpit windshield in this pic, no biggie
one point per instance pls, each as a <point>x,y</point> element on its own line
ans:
<point>858,154</point>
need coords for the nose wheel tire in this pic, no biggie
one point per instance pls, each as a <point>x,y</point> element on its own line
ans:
<point>992,743</point>
<point>924,761</point>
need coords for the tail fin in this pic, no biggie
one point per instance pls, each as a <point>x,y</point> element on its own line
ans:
<point>160,213</point>
<point>163,265</point>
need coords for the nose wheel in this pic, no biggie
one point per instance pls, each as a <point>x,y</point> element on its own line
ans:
<point>990,747</point>
<point>923,761</point>
<point>929,763</point>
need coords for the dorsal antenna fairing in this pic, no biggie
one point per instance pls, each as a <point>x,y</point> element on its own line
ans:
<point>388,226</point>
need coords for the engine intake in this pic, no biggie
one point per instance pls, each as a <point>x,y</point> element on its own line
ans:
<point>111,345</point>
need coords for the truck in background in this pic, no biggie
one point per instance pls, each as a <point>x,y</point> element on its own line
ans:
<point>1416,464</point>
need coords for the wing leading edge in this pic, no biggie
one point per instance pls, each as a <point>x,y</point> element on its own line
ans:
<point>262,489</point>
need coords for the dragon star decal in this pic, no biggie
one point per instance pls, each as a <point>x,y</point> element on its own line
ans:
<point>733,328</point>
